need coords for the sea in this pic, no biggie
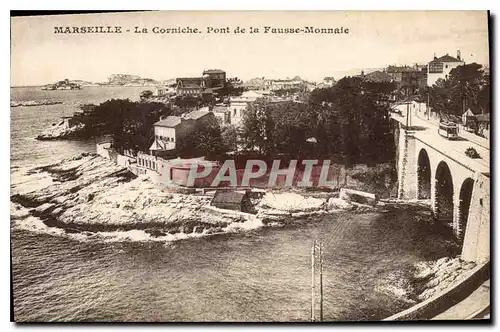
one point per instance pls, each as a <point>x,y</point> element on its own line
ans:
<point>258,275</point>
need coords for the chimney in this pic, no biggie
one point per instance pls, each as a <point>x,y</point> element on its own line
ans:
<point>362,73</point>
<point>435,57</point>
<point>458,55</point>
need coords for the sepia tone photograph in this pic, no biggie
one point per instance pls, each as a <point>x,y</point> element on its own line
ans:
<point>250,166</point>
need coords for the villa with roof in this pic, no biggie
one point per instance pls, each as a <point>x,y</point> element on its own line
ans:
<point>170,130</point>
<point>441,67</point>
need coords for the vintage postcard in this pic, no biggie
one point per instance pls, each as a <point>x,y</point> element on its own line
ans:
<point>250,166</point>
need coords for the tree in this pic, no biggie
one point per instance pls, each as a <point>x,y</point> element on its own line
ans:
<point>351,118</point>
<point>229,136</point>
<point>204,139</point>
<point>466,87</point>
<point>130,123</point>
<point>187,103</point>
<point>146,94</point>
<point>258,127</point>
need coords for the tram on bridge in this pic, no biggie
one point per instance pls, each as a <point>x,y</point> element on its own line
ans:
<point>448,130</point>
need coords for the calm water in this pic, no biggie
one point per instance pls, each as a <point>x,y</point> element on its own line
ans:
<point>259,275</point>
<point>28,122</point>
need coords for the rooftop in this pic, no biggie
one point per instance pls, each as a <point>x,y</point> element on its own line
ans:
<point>220,109</point>
<point>378,77</point>
<point>446,58</point>
<point>399,69</point>
<point>170,121</point>
<point>214,71</point>
<point>195,115</point>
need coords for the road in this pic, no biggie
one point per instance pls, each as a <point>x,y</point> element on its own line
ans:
<point>427,132</point>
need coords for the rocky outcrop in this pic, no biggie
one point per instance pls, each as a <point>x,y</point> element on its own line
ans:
<point>434,277</point>
<point>88,193</point>
<point>61,130</point>
<point>28,103</point>
<point>283,207</point>
<point>130,80</point>
<point>358,196</point>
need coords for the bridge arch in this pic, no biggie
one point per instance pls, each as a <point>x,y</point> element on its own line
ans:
<point>444,193</point>
<point>464,206</point>
<point>424,175</point>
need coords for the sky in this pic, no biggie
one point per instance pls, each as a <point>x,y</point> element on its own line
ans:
<point>375,39</point>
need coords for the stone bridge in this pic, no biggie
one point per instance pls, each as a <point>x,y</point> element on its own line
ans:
<point>431,167</point>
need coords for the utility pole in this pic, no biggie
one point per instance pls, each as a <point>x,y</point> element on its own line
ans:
<point>407,113</point>
<point>320,281</point>
<point>313,253</point>
<point>428,105</point>
<point>313,280</point>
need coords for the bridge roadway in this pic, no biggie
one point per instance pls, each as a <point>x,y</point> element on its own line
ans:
<point>427,132</point>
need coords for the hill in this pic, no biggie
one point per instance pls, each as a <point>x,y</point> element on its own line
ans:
<point>129,80</point>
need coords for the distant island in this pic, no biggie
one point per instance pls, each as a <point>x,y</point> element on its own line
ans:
<point>129,80</point>
<point>63,85</point>
<point>113,80</point>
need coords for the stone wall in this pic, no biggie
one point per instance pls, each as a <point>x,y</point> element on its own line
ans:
<point>477,235</point>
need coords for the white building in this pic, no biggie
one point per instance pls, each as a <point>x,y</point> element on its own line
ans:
<point>238,105</point>
<point>165,133</point>
<point>441,67</point>
<point>170,130</point>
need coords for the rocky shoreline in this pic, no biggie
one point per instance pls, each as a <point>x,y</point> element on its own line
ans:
<point>60,131</point>
<point>92,194</point>
<point>88,193</point>
<point>434,277</point>
<point>29,103</point>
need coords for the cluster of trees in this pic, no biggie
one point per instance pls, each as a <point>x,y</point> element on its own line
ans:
<point>129,123</point>
<point>349,120</point>
<point>467,86</point>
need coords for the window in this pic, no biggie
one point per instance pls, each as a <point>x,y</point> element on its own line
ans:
<point>172,139</point>
<point>446,66</point>
<point>234,111</point>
